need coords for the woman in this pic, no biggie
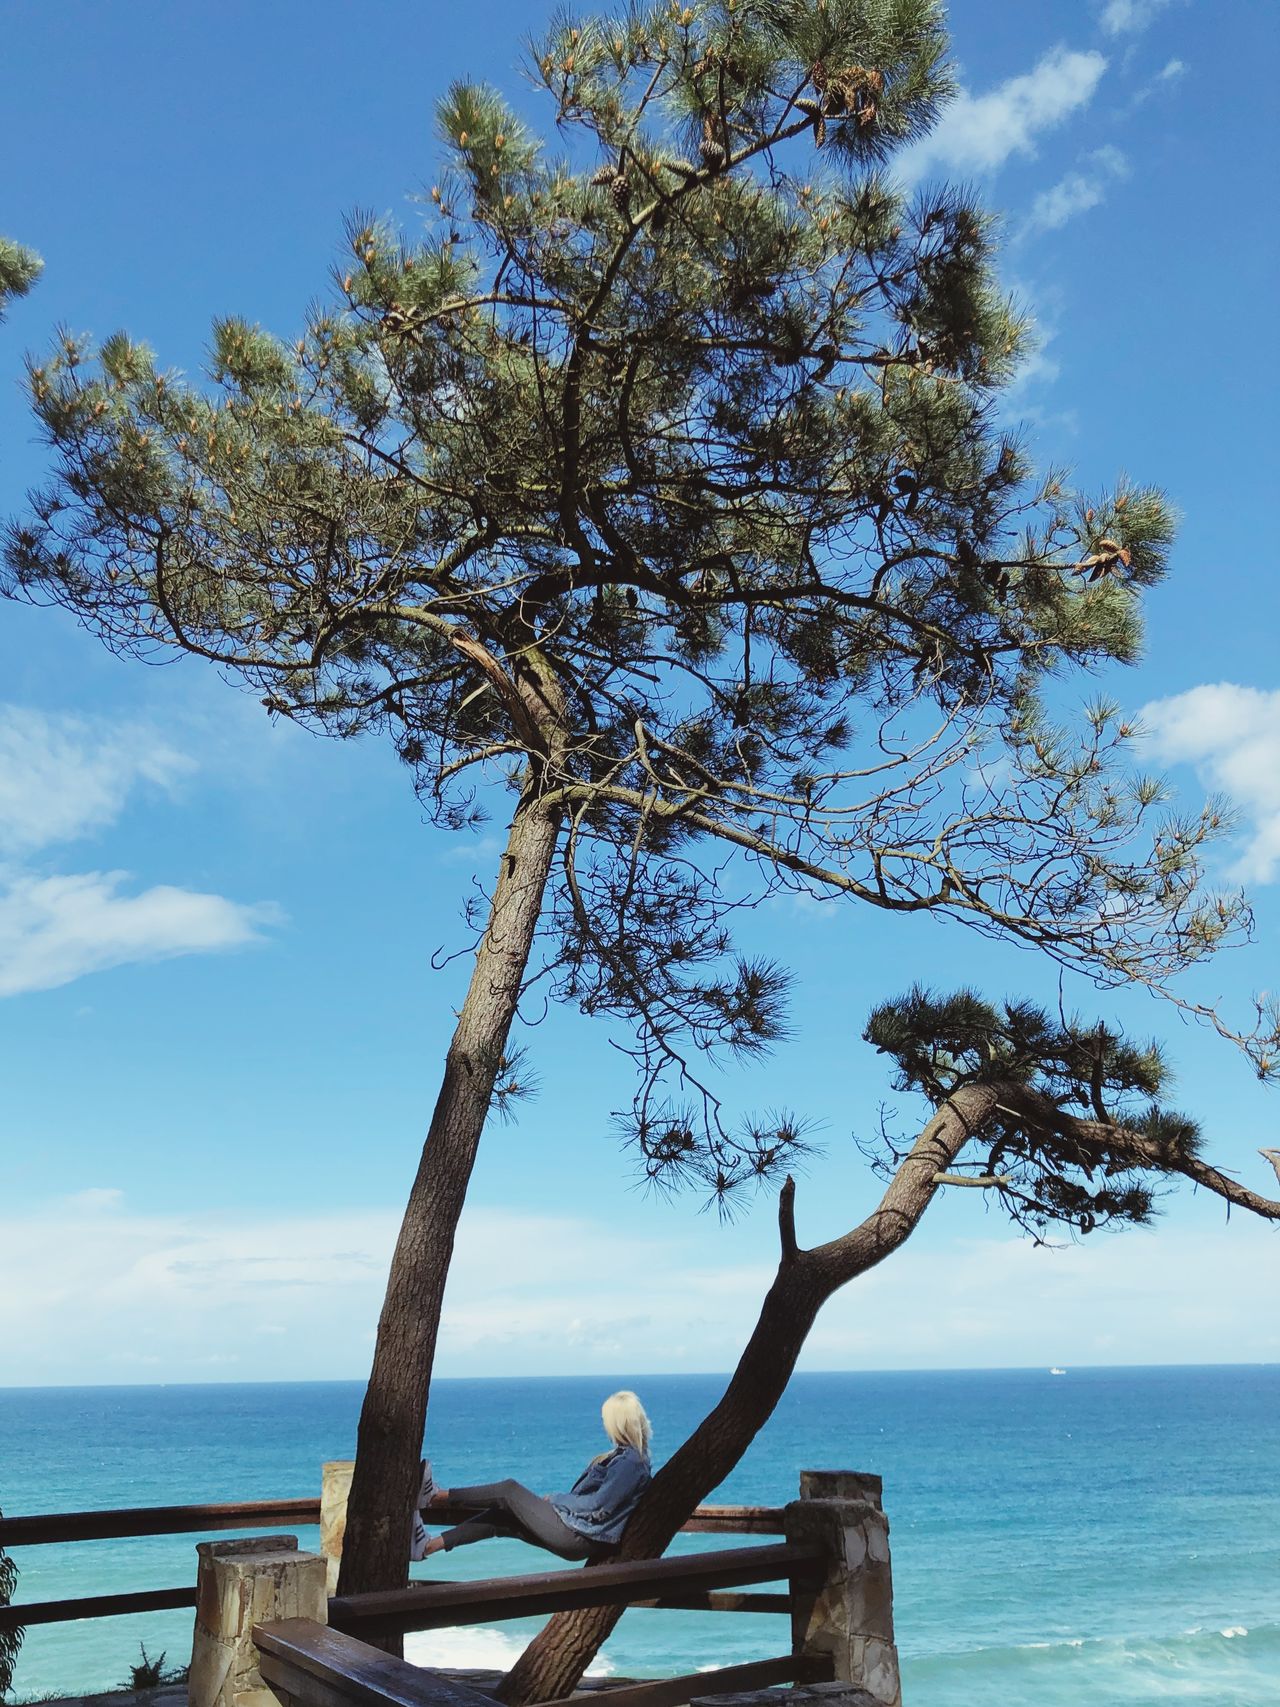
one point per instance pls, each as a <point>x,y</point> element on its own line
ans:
<point>585,1523</point>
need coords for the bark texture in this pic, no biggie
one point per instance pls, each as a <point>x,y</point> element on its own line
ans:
<point>554,1662</point>
<point>375,1554</point>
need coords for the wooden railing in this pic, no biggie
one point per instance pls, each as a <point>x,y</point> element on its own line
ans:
<point>331,1667</point>
<point>839,1625</point>
<point>325,1668</point>
<point>52,1528</point>
<point>683,1581</point>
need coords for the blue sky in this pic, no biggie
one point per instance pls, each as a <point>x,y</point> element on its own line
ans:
<point>221,1031</point>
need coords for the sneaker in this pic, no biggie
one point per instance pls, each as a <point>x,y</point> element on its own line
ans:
<point>418,1541</point>
<point>426,1487</point>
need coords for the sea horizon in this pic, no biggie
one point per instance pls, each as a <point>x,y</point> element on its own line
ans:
<point>638,1375</point>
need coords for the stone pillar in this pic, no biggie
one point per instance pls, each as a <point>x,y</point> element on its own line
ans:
<point>240,1584</point>
<point>334,1491</point>
<point>850,1615</point>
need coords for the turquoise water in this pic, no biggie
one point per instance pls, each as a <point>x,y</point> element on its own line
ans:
<point>1109,1537</point>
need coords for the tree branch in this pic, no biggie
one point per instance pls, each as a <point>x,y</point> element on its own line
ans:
<point>1133,1148</point>
<point>983,1181</point>
<point>787,1220</point>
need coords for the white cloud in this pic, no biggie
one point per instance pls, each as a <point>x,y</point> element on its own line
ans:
<point>1231,734</point>
<point>1130,17</point>
<point>91,1296</point>
<point>1170,73</point>
<point>56,929</point>
<point>1162,1295</point>
<point>1037,368</point>
<point>96,1197</point>
<point>64,777</point>
<point>1077,192</point>
<point>978,133</point>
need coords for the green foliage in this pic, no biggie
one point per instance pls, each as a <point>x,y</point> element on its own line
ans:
<point>10,1640</point>
<point>19,270</point>
<point>661,479</point>
<point>1064,1150</point>
<point>149,1673</point>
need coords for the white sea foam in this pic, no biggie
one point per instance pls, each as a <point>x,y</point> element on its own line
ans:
<point>1234,1630</point>
<point>478,1646</point>
<point>462,1647</point>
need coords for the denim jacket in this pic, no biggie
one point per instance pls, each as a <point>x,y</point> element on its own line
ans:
<point>605,1494</point>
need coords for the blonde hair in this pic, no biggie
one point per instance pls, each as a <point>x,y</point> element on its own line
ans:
<point>625,1422</point>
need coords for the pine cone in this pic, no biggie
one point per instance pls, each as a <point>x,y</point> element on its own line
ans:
<point>401,321</point>
<point>713,151</point>
<point>604,176</point>
<point>620,190</point>
<point>818,77</point>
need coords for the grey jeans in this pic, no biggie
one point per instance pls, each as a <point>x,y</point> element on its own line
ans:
<point>509,1508</point>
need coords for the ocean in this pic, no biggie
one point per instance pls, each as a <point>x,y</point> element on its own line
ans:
<point>1100,1536</point>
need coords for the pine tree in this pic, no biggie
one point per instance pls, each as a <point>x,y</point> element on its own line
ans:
<point>661,484</point>
<point>19,269</point>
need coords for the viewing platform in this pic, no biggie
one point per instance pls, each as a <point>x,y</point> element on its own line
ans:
<point>268,1628</point>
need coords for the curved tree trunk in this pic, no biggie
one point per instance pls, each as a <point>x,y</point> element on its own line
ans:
<point>552,1665</point>
<point>556,1659</point>
<point>375,1551</point>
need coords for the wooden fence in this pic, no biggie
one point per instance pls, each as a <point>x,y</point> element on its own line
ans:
<point>312,1649</point>
<point>52,1528</point>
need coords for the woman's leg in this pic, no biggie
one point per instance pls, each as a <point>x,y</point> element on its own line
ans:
<point>509,1508</point>
<point>482,1527</point>
<point>482,1494</point>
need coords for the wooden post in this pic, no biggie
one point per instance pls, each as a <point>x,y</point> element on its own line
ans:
<point>240,1584</point>
<point>850,1615</point>
<point>334,1491</point>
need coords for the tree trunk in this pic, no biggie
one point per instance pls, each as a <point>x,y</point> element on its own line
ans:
<point>552,1665</point>
<point>557,1657</point>
<point>376,1548</point>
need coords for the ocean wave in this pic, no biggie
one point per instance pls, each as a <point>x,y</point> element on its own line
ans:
<point>1174,1649</point>
<point>477,1645</point>
<point>1232,1665</point>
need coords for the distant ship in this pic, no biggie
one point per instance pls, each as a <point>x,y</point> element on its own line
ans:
<point>1057,1371</point>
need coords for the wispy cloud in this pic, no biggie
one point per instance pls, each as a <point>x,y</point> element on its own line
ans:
<point>1231,734</point>
<point>96,1291</point>
<point>66,778</point>
<point>1169,75</point>
<point>1130,17</point>
<point>978,133</point>
<point>1077,192</point>
<point>54,930</point>
<point>1163,1295</point>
